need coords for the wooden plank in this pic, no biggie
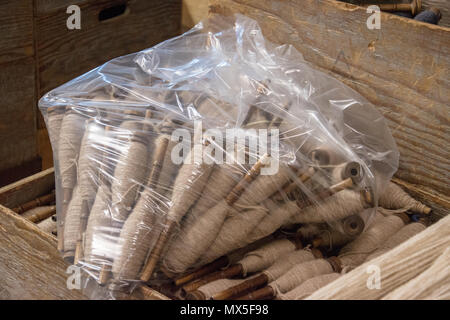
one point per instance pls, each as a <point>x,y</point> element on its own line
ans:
<point>30,265</point>
<point>28,168</point>
<point>401,68</point>
<point>27,189</point>
<point>16,30</point>
<point>64,54</point>
<point>18,142</point>
<point>193,11</point>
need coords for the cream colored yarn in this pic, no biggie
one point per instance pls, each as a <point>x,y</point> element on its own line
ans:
<point>234,232</point>
<point>310,286</point>
<point>54,123</point>
<point>393,197</point>
<point>397,238</point>
<point>432,284</point>
<point>397,266</point>
<point>48,225</point>
<point>99,242</point>
<point>72,222</point>
<point>286,262</point>
<point>300,273</point>
<point>338,206</point>
<point>72,129</point>
<point>217,286</point>
<point>138,235</point>
<point>169,169</point>
<point>266,256</point>
<point>129,175</point>
<point>355,252</point>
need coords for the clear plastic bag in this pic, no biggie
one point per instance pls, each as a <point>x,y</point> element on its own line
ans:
<point>204,147</point>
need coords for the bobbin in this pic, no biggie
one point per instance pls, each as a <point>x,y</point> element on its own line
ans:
<point>39,201</point>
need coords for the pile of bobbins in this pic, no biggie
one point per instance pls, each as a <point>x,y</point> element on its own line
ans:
<point>41,211</point>
<point>204,216</point>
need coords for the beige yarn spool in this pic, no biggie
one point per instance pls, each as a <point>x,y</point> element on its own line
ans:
<point>310,286</point>
<point>208,290</point>
<point>98,243</point>
<point>71,133</point>
<point>283,264</point>
<point>129,175</point>
<point>48,225</point>
<point>136,237</point>
<point>235,231</point>
<point>398,266</point>
<point>393,197</point>
<point>200,234</point>
<point>354,253</point>
<point>187,188</point>
<point>225,177</point>
<point>55,117</point>
<point>38,214</point>
<point>300,273</point>
<point>432,284</point>
<point>207,271</point>
<point>338,206</point>
<point>72,225</point>
<point>397,238</point>
<point>351,169</point>
<point>169,169</point>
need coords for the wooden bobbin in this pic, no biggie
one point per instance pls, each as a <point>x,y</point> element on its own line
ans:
<point>42,215</point>
<point>242,288</point>
<point>38,202</point>
<point>415,6</point>
<point>303,176</point>
<point>326,193</point>
<point>352,170</point>
<point>265,293</point>
<point>353,225</point>
<point>202,271</point>
<point>229,272</point>
<point>254,172</point>
<point>105,274</point>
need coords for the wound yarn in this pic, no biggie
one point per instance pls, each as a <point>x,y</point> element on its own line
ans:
<point>432,284</point>
<point>397,238</point>
<point>338,206</point>
<point>286,262</point>
<point>99,243</point>
<point>137,236</point>
<point>234,232</point>
<point>393,197</point>
<point>310,286</point>
<point>265,256</point>
<point>299,274</point>
<point>398,266</point>
<point>354,253</point>
<point>129,175</point>
<point>48,225</point>
<point>72,224</point>
<point>210,289</point>
<point>54,123</point>
<point>72,129</point>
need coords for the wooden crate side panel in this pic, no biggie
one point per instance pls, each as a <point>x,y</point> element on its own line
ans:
<point>401,68</point>
<point>64,54</point>
<point>27,189</point>
<point>16,26</point>
<point>30,265</point>
<point>18,140</point>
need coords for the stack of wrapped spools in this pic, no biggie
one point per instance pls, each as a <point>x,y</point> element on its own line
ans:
<point>216,165</point>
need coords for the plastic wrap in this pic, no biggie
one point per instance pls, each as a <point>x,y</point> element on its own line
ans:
<point>173,157</point>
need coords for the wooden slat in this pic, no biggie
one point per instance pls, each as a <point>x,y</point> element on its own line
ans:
<point>18,142</point>
<point>401,68</point>
<point>27,189</point>
<point>64,54</point>
<point>16,30</point>
<point>30,265</point>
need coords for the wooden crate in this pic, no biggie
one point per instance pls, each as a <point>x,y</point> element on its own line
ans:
<point>38,53</point>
